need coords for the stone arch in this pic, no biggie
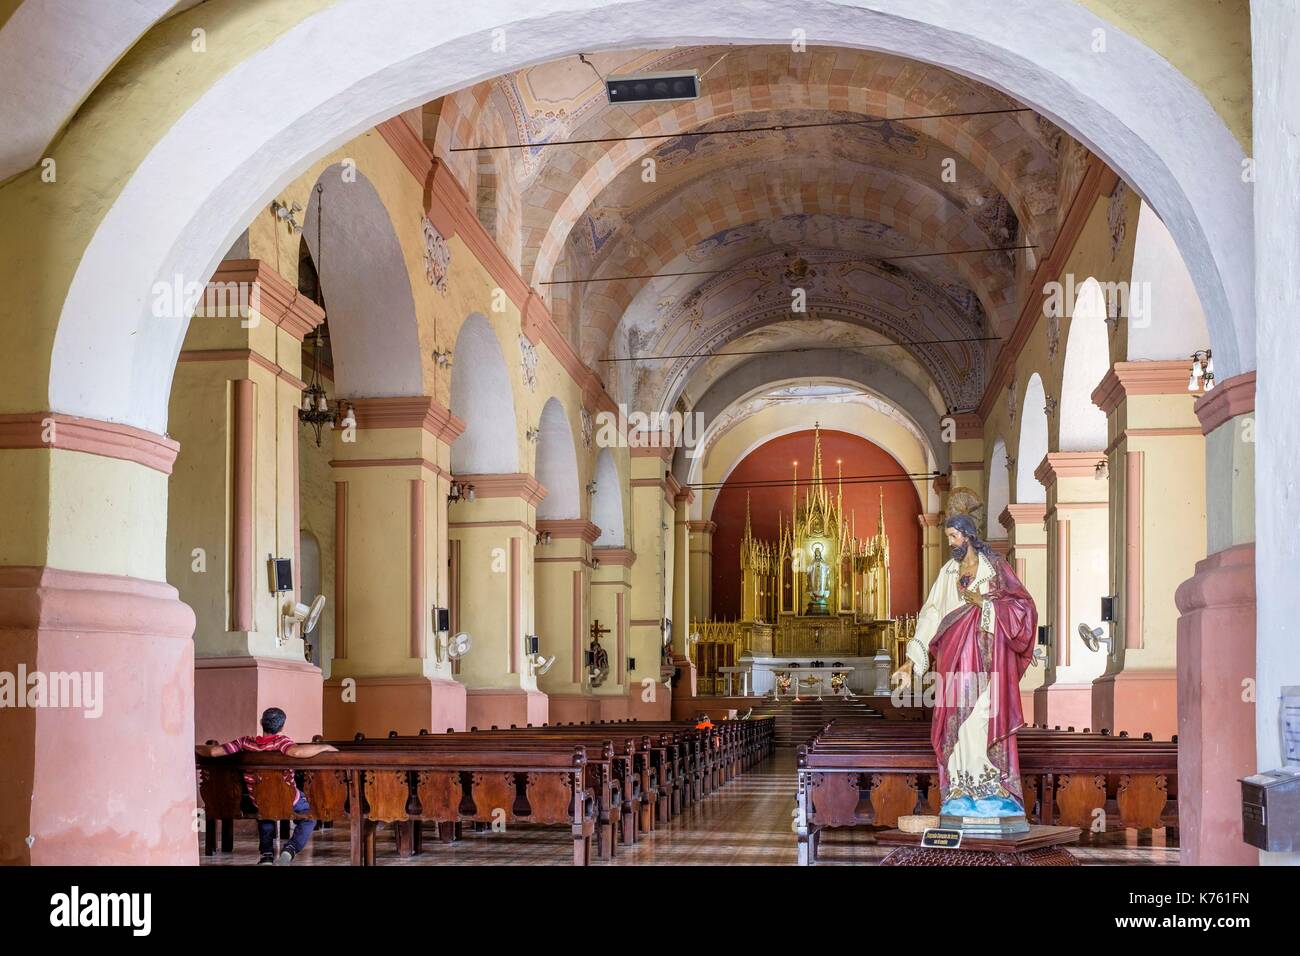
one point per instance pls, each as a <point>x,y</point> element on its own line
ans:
<point>557,465</point>
<point>1033,443</point>
<point>607,502</point>
<point>999,490</point>
<point>481,397</point>
<point>1087,358</point>
<point>362,274</point>
<point>186,196</point>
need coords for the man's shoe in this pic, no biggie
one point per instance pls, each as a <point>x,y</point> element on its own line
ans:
<point>285,858</point>
<point>268,859</point>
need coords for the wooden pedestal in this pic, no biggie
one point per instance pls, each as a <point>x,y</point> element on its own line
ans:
<point>1041,846</point>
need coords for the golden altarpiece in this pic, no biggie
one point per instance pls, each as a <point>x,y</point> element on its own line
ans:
<point>816,591</point>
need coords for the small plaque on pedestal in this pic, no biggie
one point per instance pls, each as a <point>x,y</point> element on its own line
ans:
<point>1040,846</point>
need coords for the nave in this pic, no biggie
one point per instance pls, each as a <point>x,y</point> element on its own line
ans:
<point>747,822</point>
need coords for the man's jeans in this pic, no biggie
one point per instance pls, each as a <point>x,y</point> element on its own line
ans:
<point>302,830</point>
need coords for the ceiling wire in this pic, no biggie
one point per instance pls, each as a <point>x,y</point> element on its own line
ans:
<point>773,128</point>
<point>796,350</point>
<point>779,483</point>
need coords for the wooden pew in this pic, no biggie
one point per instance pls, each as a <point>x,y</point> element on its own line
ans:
<point>863,772</point>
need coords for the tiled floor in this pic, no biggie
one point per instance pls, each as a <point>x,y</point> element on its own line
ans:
<point>747,822</point>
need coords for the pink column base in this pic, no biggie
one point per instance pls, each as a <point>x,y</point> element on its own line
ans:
<point>574,708</point>
<point>506,708</point>
<point>119,788</point>
<point>1027,706</point>
<point>685,684</point>
<point>230,694</point>
<point>1064,705</point>
<point>1138,702</point>
<point>661,708</point>
<point>1216,728</point>
<point>405,704</point>
<point>613,706</point>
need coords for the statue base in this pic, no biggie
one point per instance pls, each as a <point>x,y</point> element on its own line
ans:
<point>986,826</point>
<point>1040,846</point>
<point>816,610</point>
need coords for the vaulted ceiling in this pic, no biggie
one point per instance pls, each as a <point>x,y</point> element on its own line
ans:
<point>662,247</point>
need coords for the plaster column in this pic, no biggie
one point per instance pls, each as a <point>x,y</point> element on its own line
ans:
<point>702,568</point>
<point>100,769</point>
<point>1217,663</point>
<point>652,520</point>
<point>1078,572</point>
<point>1156,464</point>
<point>1275,65</point>
<point>1027,554</point>
<point>933,550</point>
<point>391,571</point>
<point>561,592</point>
<point>492,541</point>
<point>611,605</point>
<point>684,685</point>
<point>234,500</point>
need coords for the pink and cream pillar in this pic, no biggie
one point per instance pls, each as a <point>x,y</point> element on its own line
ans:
<point>1216,658</point>
<point>107,779</point>
<point>492,546</point>
<point>611,608</point>
<point>1156,464</point>
<point>1078,573</point>
<point>701,571</point>
<point>653,493</point>
<point>391,485</point>
<point>934,549</point>
<point>1027,552</point>
<point>562,589</point>
<point>233,501</point>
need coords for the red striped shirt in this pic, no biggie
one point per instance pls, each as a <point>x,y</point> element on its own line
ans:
<point>264,743</point>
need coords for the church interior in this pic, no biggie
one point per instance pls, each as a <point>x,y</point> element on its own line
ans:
<point>560,409</point>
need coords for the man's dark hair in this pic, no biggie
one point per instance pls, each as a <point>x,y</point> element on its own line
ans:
<point>966,525</point>
<point>273,719</point>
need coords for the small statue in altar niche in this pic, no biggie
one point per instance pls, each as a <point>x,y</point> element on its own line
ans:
<point>978,626</point>
<point>819,583</point>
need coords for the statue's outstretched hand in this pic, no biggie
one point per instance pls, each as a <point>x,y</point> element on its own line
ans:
<point>917,657</point>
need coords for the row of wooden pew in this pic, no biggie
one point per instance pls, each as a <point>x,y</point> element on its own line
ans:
<point>610,783</point>
<point>869,772</point>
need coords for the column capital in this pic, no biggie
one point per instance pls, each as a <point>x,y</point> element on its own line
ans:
<point>1067,464</point>
<point>415,411</point>
<point>932,520</point>
<point>274,298</point>
<point>622,557</point>
<point>1013,515</point>
<point>509,485</point>
<point>969,425</point>
<point>570,528</point>
<point>50,430</point>
<point>702,527</point>
<point>1230,398</point>
<point>1167,377</point>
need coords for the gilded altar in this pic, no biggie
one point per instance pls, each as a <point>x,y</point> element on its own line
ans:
<point>816,590</point>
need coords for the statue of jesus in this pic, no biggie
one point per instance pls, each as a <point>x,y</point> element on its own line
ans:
<point>978,625</point>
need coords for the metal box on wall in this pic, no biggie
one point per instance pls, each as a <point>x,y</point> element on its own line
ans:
<point>1270,811</point>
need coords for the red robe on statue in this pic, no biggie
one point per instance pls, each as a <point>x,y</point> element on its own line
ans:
<point>967,659</point>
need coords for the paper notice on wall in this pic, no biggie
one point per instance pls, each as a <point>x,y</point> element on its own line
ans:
<point>1290,721</point>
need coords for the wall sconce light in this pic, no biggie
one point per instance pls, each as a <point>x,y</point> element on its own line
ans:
<point>591,487</point>
<point>533,434</point>
<point>543,537</point>
<point>1202,377</point>
<point>1049,406</point>
<point>1102,471</point>
<point>460,491</point>
<point>595,564</point>
<point>442,357</point>
<point>287,214</point>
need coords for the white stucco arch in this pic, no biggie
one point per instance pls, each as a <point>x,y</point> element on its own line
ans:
<point>482,398</point>
<point>557,465</point>
<point>337,72</point>
<point>1033,443</point>
<point>1087,358</point>
<point>607,502</point>
<point>1165,320</point>
<point>363,275</point>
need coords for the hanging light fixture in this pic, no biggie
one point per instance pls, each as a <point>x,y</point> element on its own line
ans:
<point>315,409</point>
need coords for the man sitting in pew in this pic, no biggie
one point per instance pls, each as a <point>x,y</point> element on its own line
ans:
<point>271,739</point>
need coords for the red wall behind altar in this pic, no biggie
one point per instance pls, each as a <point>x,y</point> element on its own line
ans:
<point>773,461</point>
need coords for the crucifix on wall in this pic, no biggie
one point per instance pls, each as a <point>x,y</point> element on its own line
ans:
<point>597,657</point>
